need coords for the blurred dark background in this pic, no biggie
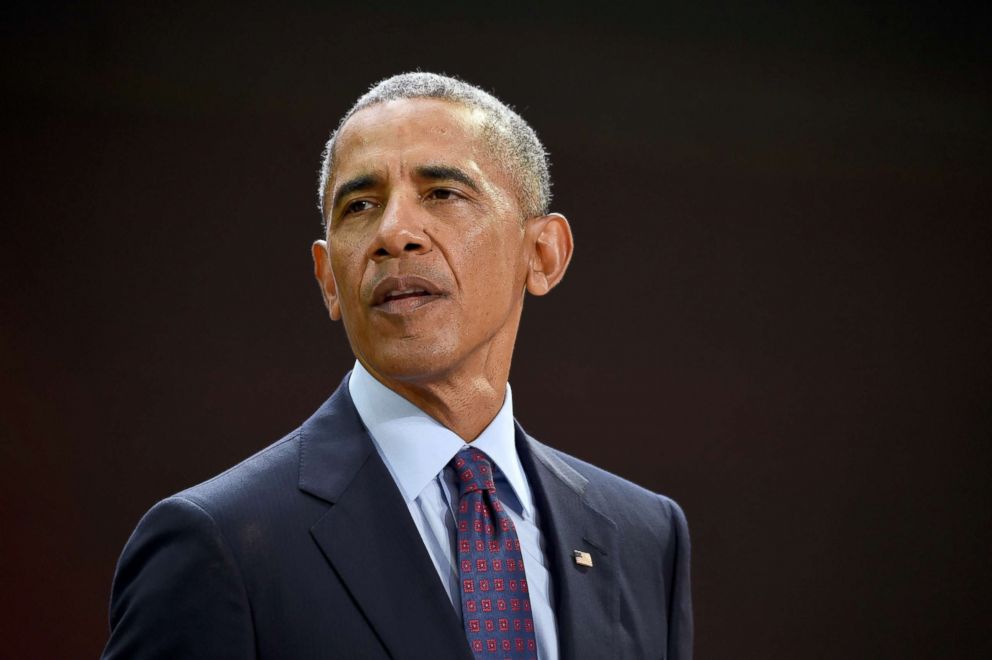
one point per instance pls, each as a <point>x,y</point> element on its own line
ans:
<point>778,312</point>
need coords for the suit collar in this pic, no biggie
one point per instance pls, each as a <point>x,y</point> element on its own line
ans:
<point>333,446</point>
<point>415,447</point>
<point>587,603</point>
<point>339,464</point>
<point>556,466</point>
<point>399,593</point>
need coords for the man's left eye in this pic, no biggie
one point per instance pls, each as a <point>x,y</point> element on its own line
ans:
<point>442,194</point>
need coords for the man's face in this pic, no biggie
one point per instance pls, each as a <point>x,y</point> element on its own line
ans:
<point>428,250</point>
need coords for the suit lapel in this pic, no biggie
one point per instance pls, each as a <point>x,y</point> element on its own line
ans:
<point>588,604</point>
<point>370,539</point>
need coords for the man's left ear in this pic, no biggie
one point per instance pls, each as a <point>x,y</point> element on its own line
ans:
<point>552,250</point>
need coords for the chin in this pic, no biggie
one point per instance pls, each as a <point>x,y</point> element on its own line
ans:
<point>410,361</point>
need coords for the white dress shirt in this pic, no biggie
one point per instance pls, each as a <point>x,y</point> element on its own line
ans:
<point>416,449</point>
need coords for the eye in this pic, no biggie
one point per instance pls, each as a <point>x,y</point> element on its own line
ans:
<point>442,194</point>
<point>357,206</point>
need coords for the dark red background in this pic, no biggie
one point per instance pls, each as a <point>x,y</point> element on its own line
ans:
<point>778,312</point>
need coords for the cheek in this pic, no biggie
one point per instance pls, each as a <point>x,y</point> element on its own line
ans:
<point>492,267</point>
<point>348,274</point>
<point>344,245</point>
<point>491,247</point>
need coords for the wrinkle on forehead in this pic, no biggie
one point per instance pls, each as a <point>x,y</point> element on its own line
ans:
<point>400,118</point>
<point>401,112</point>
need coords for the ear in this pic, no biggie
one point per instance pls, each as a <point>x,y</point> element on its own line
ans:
<point>325,278</point>
<point>552,250</point>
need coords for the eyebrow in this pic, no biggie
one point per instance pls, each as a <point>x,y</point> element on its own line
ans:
<point>431,172</point>
<point>360,182</point>
<point>446,172</point>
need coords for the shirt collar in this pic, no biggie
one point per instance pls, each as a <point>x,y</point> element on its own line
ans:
<point>415,447</point>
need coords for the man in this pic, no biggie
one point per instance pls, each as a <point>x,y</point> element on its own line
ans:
<point>410,517</point>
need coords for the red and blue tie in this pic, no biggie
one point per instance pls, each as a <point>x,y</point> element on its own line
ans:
<point>495,605</point>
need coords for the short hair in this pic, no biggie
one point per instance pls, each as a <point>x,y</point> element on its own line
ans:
<point>513,142</point>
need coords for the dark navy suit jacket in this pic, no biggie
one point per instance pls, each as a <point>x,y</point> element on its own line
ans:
<point>307,550</point>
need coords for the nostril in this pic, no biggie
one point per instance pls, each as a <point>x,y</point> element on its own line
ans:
<point>412,247</point>
<point>382,252</point>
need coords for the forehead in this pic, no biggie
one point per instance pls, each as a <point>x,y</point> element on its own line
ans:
<point>407,131</point>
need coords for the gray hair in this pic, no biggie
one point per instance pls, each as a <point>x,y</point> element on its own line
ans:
<point>512,140</point>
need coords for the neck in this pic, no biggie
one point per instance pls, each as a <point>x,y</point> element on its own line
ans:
<point>464,398</point>
<point>464,395</point>
<point>465,406</point>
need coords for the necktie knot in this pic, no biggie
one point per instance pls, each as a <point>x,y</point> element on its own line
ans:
<point>474,471</point>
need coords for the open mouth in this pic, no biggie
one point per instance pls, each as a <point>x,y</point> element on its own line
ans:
<point>404,293</point>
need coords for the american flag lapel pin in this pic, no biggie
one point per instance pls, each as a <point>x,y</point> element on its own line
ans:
<point>582,558</point>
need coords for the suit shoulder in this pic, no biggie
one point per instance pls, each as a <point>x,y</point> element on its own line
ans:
<point>256,479</point>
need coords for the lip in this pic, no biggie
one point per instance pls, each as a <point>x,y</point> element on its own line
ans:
<point>426,292</point>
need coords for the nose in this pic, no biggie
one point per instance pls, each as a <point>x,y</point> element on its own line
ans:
<point>401,230</point>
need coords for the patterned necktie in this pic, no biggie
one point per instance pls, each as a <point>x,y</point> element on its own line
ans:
<point>495,604</point>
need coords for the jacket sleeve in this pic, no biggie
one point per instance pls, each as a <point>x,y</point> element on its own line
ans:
<point>680,593</point>
<point>178,592</point>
